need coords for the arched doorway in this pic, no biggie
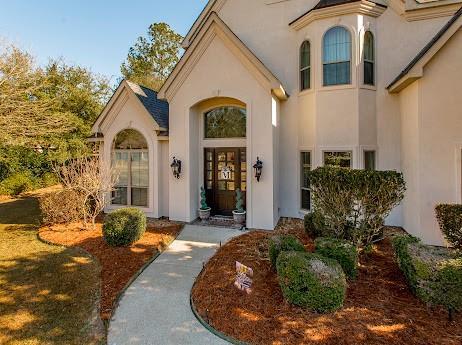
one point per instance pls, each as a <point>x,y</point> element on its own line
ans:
<point>225,160</point>
<point>130,160</point>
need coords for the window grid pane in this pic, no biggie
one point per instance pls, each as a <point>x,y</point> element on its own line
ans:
<point>369,160</point>
<point>342,159</point>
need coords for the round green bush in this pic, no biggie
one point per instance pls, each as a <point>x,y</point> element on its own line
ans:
<point>18,183</point>
<point>343,251</point>
<point>124,227</point>
<point>283,243</point>
<point>313,224</point>
<point>311,281</point>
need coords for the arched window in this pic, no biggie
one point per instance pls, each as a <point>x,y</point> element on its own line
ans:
<point>337,56</point>
<point>130,160</point>
<point>369,59</point>
<point>305,66</point>
<point>225,122</point>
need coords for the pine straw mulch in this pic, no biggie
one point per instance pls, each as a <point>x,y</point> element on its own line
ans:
<point>118,265</point>
<point>379,308</point>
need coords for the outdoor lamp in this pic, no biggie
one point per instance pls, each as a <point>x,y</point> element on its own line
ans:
<point>176,167</point>
<point>258,167</point>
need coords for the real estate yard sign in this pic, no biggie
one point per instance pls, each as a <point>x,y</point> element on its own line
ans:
<point>244,276</point>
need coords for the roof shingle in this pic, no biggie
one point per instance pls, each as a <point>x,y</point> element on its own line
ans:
<point>158,109</point>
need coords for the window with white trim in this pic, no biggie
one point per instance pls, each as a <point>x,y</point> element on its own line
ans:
<point>369,160</point>
<point>341,159</point>
<point>369,59</point>
<point>305,168</point>
<point>130,161</point>
<point>337,57</point>
<point>305,66</point>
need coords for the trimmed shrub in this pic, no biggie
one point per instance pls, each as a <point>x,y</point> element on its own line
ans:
<point>49,179</point>
<point>283,243</point>
<point>311,281</point>
<point>450,220</point>
<point>18,183</point>
<point>313,224</point>
<point>434,274</point>
<point>355,203</point>
<point>61,207</point>
<point>343,251</point>
<point>124,227</point>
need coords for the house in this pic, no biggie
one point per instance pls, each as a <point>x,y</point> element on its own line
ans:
<point>296,84</point>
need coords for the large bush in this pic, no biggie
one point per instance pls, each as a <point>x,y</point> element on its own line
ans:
<point>283,243</point>
<point>18,183</point>
<point>434,274</point>
<point>61,207</point>
<point>355,203</point>
<point>311,281</point>
<point>450,221</point>
<point>124,227</point>
<point>343,251</point>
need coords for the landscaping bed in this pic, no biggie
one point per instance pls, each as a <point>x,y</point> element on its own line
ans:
<point>118,264</point>
<point>379,307</point>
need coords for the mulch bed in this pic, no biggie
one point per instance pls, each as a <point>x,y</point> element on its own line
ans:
<point>118,265</point>
<point>379,308</point>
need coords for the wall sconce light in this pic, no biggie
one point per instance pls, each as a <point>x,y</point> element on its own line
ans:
<point>258,167</point>
<point>176,167</point>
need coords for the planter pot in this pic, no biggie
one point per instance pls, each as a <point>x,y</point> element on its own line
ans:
<point>239,218</point>
<point>204,214</point>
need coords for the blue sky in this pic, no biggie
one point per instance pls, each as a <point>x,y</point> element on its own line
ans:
<point>93,33</point>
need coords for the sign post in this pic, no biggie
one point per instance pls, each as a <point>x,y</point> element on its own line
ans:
<point>244,276</point>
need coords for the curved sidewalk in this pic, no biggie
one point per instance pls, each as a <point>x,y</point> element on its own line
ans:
<point>155,309</point>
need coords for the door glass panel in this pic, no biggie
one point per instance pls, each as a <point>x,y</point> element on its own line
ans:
<point>209,184</point>
<point>210,165</point>
<point>230,185</point>
<point>230,156</point>
<point>243,186</point>
<point>221,157</point>
<point>209,175</point>
<point>221,185</point>
<point>209,155</point>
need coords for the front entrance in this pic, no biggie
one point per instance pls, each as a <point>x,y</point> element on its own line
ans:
<point>225,171</point>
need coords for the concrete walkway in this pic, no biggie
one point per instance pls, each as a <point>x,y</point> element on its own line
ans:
<point>155,309</point>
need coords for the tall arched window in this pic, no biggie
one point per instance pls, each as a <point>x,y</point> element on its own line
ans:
<point>337,56</point>
<point>305,66</point>
<point>130,160</point>
<point>369,59</point>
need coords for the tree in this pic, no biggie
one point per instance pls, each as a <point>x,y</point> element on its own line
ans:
<point>92,180</point>
<point>151,60</point>
<point>24,113</point>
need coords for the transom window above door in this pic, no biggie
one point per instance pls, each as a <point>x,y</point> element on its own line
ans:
<point>225,122</point>
<point>130,161</point>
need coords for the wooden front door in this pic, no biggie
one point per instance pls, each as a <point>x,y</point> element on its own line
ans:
<point>225,171</point>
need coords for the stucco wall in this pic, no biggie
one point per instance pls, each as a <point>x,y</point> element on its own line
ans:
<point>441,134</point>
<point>220,73</point>
<point>129,113</point>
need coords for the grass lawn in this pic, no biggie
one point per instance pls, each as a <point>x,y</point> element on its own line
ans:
<point>48,294</point>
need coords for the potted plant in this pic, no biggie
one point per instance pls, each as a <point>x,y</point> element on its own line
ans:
<point>204,211</point>
<point>239,213</point>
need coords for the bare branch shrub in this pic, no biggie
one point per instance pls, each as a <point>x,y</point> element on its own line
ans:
<point>93,180</point>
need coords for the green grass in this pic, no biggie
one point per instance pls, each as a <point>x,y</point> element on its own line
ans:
<point>48,294</point>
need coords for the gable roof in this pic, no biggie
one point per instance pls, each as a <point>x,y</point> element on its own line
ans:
<point>331,3</point>
<point>155,108</point>
<point>212,27</point>
<point>406,76</point>
<point>211,6</point>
